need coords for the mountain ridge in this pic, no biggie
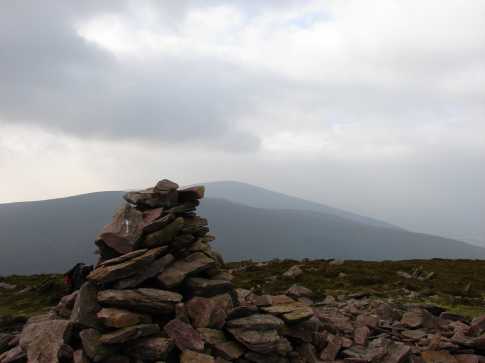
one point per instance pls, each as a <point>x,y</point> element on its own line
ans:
<point>51,235</point>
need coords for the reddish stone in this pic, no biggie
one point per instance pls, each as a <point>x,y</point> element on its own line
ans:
<point>125,229</point>
<point>361,334</point>
<point>184,336</point>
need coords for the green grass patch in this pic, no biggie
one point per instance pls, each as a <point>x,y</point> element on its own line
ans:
<point>33,294</point>
<point>457,285</point>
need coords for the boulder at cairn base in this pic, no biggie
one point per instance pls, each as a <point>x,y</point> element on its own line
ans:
<point>45,341</point>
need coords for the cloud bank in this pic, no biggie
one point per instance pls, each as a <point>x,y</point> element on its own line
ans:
<point>376,106</point>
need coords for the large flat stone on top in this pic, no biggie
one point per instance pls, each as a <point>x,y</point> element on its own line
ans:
<point>175,274</point>
<point>152,198</point>
<point>153,301</point>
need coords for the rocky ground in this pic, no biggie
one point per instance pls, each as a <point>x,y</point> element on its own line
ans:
<point>161,293</point>
<point>456,285</point>
<point>353,299</point>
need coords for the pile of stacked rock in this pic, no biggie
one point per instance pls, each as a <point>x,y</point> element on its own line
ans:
<point>158,294</point>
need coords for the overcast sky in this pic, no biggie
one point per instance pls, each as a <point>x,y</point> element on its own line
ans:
<point>373,106</point>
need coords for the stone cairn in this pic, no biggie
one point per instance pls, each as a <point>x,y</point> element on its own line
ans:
<point>159,294</point>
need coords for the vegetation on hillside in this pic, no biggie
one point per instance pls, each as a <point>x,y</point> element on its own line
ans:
<point>457,285</point>
<point>32,294</point>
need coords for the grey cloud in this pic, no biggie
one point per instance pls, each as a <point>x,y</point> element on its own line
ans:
<point>53,77</point>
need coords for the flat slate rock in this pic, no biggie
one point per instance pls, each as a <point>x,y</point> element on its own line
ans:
<point>113,272</point>
<point>165,235</point>
<point>298,315</point>
<point>152,301</point>
<point>199,286</point>
<point>145,272</point>
<point>120,318</point>
<point>260,341</point>
<point>130,333</point>
<point>122,258</point>
<point>256,322</point>
<point>175,274</point>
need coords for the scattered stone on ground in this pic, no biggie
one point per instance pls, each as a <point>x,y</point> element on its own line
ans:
<point>419,274</point>
<point>293,271</point>
<point>5,286</point>
<point>159,294</point>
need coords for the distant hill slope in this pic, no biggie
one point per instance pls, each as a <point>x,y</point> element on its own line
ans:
<point>261,234</point>
<point>52,235</point>
<point>258,197</point>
